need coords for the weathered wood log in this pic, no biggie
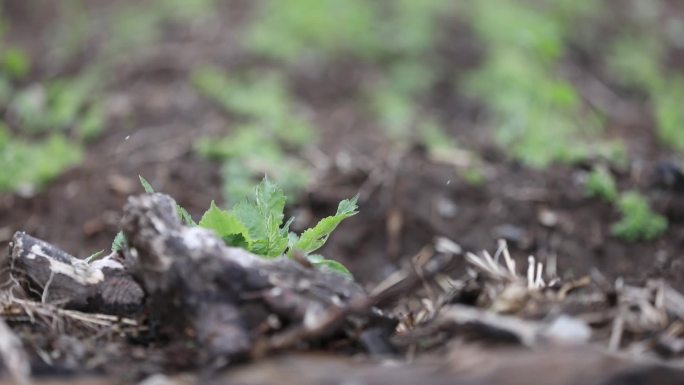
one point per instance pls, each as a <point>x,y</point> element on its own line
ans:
<point>52,275</point>
<point>464,365</point>
<point>225,297</point>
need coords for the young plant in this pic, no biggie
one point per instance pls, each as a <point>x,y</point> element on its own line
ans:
<point>537,113</point>
<point>288,30</point>
<point>600,184</point>
<point>669,114</point>
<point>258,225</point>
<point>28,166</point>
<point>639,222</point>
<point>638,61</point>
<point>266,142</point>
<point>59,105</point>
<point>14,63</point>
<point>473,176</point>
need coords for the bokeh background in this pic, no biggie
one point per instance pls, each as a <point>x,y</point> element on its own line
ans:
<point>557,125</point>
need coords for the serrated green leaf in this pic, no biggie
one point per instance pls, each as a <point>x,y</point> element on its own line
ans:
<point>119,242</point>
<point>226,225</point>
<point>314,238</point>
<point>263,218</point>
<point>638,222</point>
<point>93,256</point>
<point>146,185</point>
<point>292,240</point>
<point>328,264</point>
<point>257,226</point>
<point>185,216</point>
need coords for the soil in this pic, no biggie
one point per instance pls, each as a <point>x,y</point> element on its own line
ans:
<point>406,200</point>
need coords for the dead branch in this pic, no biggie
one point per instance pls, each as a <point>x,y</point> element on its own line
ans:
<point>54,276</point>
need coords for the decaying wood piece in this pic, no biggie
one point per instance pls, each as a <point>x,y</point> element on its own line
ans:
<point>54,276</point>
<point>224,297</point>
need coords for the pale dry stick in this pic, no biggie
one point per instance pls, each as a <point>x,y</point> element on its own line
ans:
<point>539,282</point>
<point>475,260</point>
<point>45,356</point>
<point>530,272</point>
<point>46,289</point>
<point>499,251</point>
<point>510,262</point>
<point>421,259</point>
<point>487,264</point>
<point>616,333</point>
<point>674,330</point>
<point>447,246</point>
<point>51,311</point>
<point>490,262</point>
<point>392,280</point>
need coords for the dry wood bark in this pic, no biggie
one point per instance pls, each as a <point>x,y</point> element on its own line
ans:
<point>54,276</point>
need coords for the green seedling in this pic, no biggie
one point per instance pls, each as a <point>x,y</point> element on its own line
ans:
<point>59,105</point>
<point>266,143</point>
<point>639,222</point>
<point>91,123</point>
<point>473,176</point>
<point>28,166</point>
<point>289,30</point>
<point>5,91</point>
<point>600,184</point>
<point>14,63</point>
<point>634,59</point>
<point>394,101</point>
<point>537,114</point>
<point>637,59</point>
<point>397,35</point>
<point>258,225</point>
<point>250,151</point>
<point>119,243</point>
<point>121,29</point>
<point>135,25</point>
<point>263,100</point>
<point>669,114</point>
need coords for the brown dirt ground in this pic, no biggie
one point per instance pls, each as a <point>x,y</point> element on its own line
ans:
<point>155,114</point>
